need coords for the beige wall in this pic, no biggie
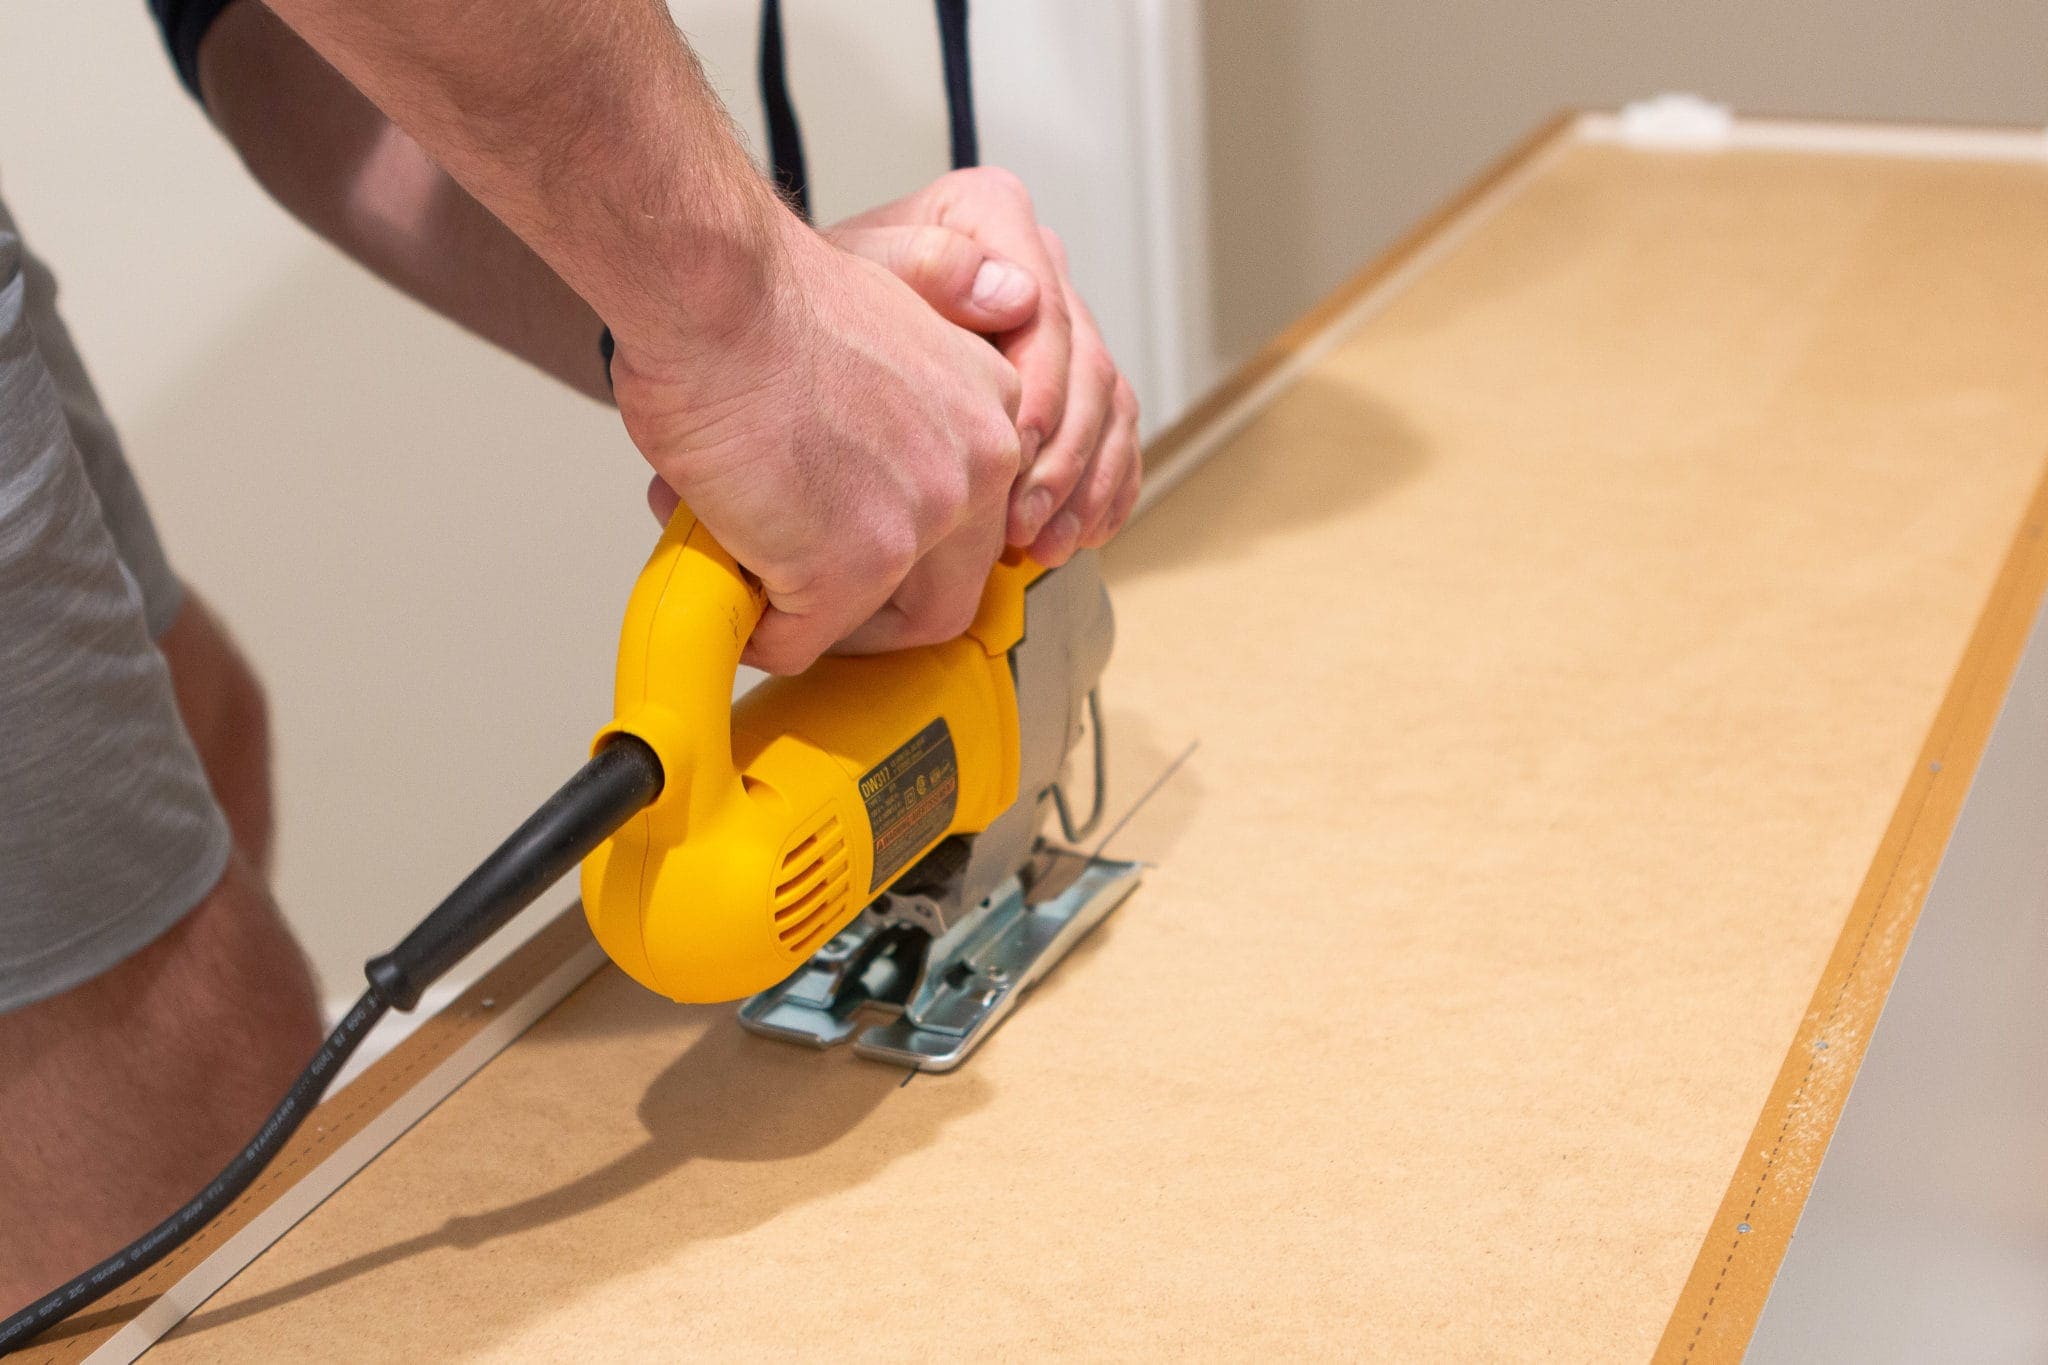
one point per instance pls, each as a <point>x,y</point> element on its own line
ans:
<point>1334,123</point>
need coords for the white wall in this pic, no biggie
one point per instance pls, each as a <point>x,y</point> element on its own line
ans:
<point>424,546</point>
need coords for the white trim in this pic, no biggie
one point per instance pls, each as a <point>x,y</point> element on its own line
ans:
<point>204,1280</point>
<point>1173,169</point>
<point>1676,122</point>
<point>1923,141</point>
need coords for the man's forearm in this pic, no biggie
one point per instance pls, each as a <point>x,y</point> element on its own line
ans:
<point>330,157</point>
<point>847,444</point>
<point>587,128</point>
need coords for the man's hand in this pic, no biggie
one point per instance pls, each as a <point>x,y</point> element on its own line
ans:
<point>847,444</point>
<point>845,441</point>
<point>1077,418</point>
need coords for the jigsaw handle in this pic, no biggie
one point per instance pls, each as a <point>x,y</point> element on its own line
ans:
<point>687,623</point>
<point>781,817</point>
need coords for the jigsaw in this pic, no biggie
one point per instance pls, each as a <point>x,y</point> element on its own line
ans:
<point>868,838</point>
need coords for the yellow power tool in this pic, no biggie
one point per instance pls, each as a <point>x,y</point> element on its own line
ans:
<point>868,834</point>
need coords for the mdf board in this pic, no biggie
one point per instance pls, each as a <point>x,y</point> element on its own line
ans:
<point>1554,670</point>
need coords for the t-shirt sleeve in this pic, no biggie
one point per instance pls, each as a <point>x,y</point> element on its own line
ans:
<point>183,24</point>
<point>109,833</point>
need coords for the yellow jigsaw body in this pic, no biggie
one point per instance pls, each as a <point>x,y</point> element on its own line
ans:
<point>783,816</point>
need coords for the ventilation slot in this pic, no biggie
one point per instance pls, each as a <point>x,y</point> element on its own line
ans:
<point>811,888</point>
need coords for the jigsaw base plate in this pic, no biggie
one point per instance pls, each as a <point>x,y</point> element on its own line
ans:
<point>945,995</point>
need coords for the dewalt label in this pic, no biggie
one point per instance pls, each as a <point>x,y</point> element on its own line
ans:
<point>910,797</point>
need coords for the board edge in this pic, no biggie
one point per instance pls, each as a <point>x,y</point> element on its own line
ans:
<point>1723,1297</point>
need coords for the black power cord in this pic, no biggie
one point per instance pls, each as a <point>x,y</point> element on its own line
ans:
<point>785,138</point>
<point>963,140</point>
<point>615,785</point>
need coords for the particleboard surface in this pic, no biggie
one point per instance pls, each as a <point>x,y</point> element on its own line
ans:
<point>1558,650</point>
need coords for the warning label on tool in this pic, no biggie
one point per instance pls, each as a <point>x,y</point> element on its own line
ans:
<point>910,797</point>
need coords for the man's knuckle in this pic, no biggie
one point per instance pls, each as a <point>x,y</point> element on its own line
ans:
<point>1088,502</point>
<point>959,616</point>
<point>997,457</point>
<point>945,489</point>
<point>1125,398</point>
<point>1059,469</point>
<point>1099,370</point>
<point>1001,180</point>
<point>1054,308</point>
<point>942,619</point>
<point>893,553</point>
<point>939,250</point>
<point>912,255</point>
<point>1127,500</point>
<point>1105,477</point>
<point>778,656</point>
<point>922,247</point>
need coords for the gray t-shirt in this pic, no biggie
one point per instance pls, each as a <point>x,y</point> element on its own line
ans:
<point>108,831</point>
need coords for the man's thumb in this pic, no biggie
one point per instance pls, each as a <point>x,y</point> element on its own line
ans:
<point>1003,293</point>
<point>963,281</point>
